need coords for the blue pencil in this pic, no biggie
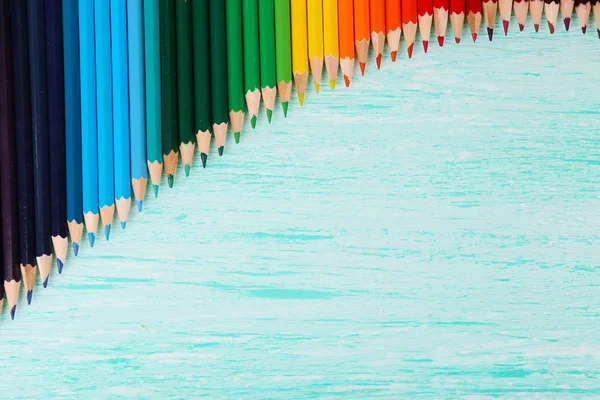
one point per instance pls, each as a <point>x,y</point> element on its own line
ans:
<point>89,141</point>
<point>36,11</point>
<point>137,101</point>
<point>120,93</point>
<point>104,112</point>
<point>22,98</point>
<point>56,130</point>
<point>72,122</point>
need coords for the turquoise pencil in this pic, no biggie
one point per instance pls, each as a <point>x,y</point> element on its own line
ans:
<point>120,102</point>
<point>104,114</point>
<point>72,122</point>
<point>153,100</point>
<point>89,142</point>
<point>137,101</point>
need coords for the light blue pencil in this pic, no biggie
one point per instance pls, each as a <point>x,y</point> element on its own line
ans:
<point>89,144</point>
<point>137,101</point>
<point>104,114</point>
<point>120,102</point>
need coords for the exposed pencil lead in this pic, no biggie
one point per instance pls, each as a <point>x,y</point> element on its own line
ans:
<point>60,265</point>
<point>187,168</point>
<point>107,231</point>
<point>221,150</point>
<point>76,249</point>
<point>203,156</point>
<point>170,180</point>
<point>91,238</point>
<point>236,137</point>
<point>140,205</point>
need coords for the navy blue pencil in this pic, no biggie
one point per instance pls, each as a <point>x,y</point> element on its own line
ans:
<point>22,101</point>
<point>56,130</point>
<point>36,11</point>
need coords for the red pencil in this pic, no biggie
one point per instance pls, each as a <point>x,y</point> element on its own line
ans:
<point>457,17</point>
<point>582,9</point>
<point>490,8</point>
<point>536,8</point>
<point>505,12</point>
<point>409,24</point>
<point>566,10</point>
<point>425,9</point>
<point>473,9</point>
<point>440,19</point>
<point>521,8</point>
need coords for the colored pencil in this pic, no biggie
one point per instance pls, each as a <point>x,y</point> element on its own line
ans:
<point>440,19</point>
<point>235,66</point>
<point>266,31</point>
<point>536,8</point>
<point>473,9</point>
<point>120,109</point>
<point>202,87</point>
<point>72,122</point>
<point>425,9</point>
<point>505,7</point>
<point>56,130</point>
<point>36,11</point>
<point>218,71</point>
<point>377,13</point>
<point>393,26</point>
<point>596,8</point>
<point>299,47</point>
<point>409,24</point>
<point>22,101</point>
<point>8,177</point>
<point>551,8</point>
<point>566,10</point>
<point>251,58</point>
<point>153,95</point>
<point>89,140</point>
<point>346,38</point>
<point>2,292</point>
<point>168,85</point>
<point>362,32</point>
<point>137,100</point>
<point>185,75</point>
<point>283,52</point>
<point>582,9</point>
<point>521,8</point>
<point>315,40</point>
<point>104,114</point>
<point>331,49</point>
<point>457,18</point>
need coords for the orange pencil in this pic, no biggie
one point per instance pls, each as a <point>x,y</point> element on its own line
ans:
<point>409,24</point>
<point>425,9</point>
<point>490,8</point>
<point>457,17</point>
<point>346,34</point>
<point>474,16</point>
<point>536,8</point>
<point>566,10</point>
<point>521,8</point>
<point>377,13</point>
<point>505,12</point>
<point>362,32</point>
<point>440,19</point>
<point>393,26</point>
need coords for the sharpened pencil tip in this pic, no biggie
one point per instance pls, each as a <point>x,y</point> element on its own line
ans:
<point>521,27</point>
<point>187,168</point>
<point>107,232</point>
<point>12,312</point>
<point>362,68</point>
<point>409,50</point>
<point>45,283</point>
<point>29,296</point>
<point>505,26</point>
<point>92,239</point>
<point>425,45</point>
<point>378,61</point>
<point>441,41</point>
<point>60,265</point>
<point>394,54</point>
<point>170,180</point>
<point>474,36</point>
<point>598,33</point>
<point>155,187</point>
<point>457,40</point>
<point>567,22</point>
<point>236,136</point>
<point>284,105</point>
<point>551,27</point>
<point>584,29</point>
<point>301,99</point>
<point>347,80</point>
<point>269,115</point>
<point>140,205</point>
<point>76,249</point>
<point>123,224</point>
<point>490,32</point>
<point>221,150</point>
<point>253,121</point>
<point>332,84</point>
<point>203,156</point>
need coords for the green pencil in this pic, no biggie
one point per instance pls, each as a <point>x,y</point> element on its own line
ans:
<point>283,53</point>
<point>251,58</point>
<point>168,74</point>
<point>152,68</point>
<point>202,117</point>
<point>268,83</point>
<point>185,91</point>
<point>218,70</point>
<point>235,69</point>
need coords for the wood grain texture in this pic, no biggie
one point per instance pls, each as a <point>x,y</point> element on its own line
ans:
<point>449,249</point>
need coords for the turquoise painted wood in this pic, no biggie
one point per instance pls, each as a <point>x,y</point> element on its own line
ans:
<point>431,232</point>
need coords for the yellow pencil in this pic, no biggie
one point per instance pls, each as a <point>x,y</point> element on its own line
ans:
<point>330,34</point>
<point>315,40</point>
<point>299,47</point>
